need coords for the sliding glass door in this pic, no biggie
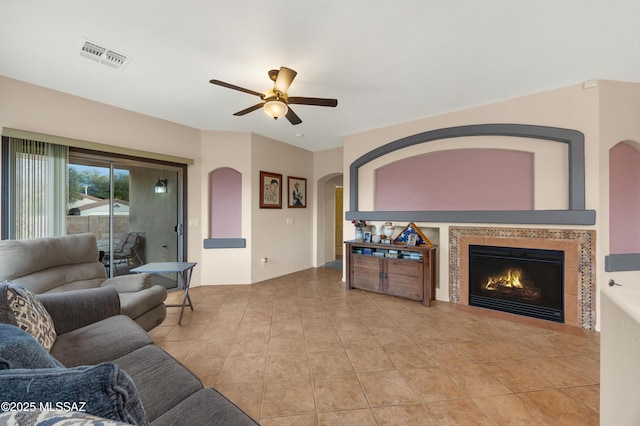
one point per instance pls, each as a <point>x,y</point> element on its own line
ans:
<point>133,207</point>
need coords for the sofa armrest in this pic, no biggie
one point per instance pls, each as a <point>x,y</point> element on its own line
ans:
<point>128,283</point>
<point>73,309</point>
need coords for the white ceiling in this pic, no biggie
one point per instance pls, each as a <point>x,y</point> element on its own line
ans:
<point>385,61</point>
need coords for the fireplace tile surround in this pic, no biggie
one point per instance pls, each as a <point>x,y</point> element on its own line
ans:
<point>579,268</point>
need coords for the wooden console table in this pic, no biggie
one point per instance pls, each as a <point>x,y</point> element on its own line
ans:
<point>412,274</point>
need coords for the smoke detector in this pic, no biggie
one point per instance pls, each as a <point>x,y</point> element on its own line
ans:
<point>104,55</point>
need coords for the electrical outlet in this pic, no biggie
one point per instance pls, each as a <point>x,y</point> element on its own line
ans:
<point>194,222</point>
<point>289,221</point>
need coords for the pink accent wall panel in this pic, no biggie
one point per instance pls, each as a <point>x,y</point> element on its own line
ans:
<point>624,199</point>
<point>460,179</point>
<point>225,203</point>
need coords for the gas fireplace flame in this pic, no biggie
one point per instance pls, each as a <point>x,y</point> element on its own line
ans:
<point>511,278</point>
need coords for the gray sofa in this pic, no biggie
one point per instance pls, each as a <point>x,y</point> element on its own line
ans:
<point>97,333</point>
<point>56,264</point>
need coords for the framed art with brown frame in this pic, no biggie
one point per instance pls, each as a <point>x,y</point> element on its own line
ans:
<point>297,192</point>
<point>270,190</point>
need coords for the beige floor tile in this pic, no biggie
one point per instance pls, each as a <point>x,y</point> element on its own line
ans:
<point>405,415</point>
<point>560,408</point>
<point>432,384</point>
<point>334,393</point>
<point>247,396</point>
<point>243,369</point>
<point>475,381</point>
<point>587,395</point>
<point>288,365</point>
<point>461,412</point>
<point>386,388</point>
<point>304,420</point>
<point>557,373</point>
<point>330,363</point>
<point>511,410</point>
<point>350,417</point>
<point>369,359</point>
<point>408,356</point>
<point>286,397</point>
<point>301,350</point>
<point>517,376</point>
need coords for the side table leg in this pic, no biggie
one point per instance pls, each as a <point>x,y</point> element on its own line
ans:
<point>185,281</point>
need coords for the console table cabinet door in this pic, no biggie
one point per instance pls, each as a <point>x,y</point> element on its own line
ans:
<point>404,278</point>
<point>366,273</point>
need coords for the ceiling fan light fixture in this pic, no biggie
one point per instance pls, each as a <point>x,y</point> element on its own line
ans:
<point>275,108</point>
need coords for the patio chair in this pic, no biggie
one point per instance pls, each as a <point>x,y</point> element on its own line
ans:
<point>127,250</point>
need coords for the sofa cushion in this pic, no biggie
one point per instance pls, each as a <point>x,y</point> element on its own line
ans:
<point>137,303</point>
<point>20,307</point>
<point>40,264</point>
<point>162,381</point>
<point>103,390</point>
<point>207,406</point>
<point>100,342</point>
<point>18,349</point>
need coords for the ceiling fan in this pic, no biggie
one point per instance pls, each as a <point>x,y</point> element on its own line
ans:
<point>276,101</point>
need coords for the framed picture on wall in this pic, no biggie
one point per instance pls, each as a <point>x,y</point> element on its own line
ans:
<point>270,190</point>
<point>297,192</point>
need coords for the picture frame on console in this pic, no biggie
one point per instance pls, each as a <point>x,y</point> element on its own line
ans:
<point>367,237</point>
<point>270,190</point>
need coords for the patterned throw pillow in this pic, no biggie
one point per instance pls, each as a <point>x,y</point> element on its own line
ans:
<point>20,307</point>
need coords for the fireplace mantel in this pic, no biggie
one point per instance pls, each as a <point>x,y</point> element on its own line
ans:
<point>579,272</point>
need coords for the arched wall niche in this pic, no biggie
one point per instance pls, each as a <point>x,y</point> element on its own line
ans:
<point>225,209</point>
<point>575,213</point>
<point>624,207</point>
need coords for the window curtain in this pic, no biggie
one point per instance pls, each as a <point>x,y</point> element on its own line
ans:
<point>38,182</point>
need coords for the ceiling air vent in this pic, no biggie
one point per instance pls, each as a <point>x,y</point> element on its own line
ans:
<point>103,55</point>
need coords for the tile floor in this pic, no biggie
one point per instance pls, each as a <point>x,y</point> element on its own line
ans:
<point>301,350</point>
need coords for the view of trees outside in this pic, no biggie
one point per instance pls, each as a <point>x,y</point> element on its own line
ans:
<point>95,182</point>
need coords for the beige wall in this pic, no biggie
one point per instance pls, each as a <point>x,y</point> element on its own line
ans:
<point>283,236</point>
<point>327,172</point>
<point>288,247</point>
<point>605,114</point>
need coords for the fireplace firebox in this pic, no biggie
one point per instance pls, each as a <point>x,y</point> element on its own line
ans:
<point>521,281</point>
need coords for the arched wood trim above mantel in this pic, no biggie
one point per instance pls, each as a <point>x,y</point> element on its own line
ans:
<point>575,214</point>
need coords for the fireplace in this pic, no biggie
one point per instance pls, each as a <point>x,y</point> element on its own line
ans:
<point>523,281</point>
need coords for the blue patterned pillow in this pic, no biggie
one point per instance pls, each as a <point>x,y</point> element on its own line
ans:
<point>103,390</point>
<point>18,349</point>
<point>20,307</point>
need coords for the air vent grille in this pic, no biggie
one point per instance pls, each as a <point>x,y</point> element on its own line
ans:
<point>104,55</point>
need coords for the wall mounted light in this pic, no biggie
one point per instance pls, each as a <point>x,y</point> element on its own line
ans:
<point>275,108</point>
<point>161,186</point>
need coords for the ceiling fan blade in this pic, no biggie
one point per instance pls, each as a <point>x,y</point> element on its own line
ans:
<point>313,101</point>
<point>284,79</point>
<point>250,109</point>
<point>234,87</point>
<point>293,117</point>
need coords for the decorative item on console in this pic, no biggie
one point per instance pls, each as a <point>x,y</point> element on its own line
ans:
<point>406,236</point>
<point>387,230</point>
<point>359,225</point>
<point>375,237</point>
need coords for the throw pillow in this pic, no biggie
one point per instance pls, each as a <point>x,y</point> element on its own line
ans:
<point>18,306</point>
<point>18,349</point>
<point>103,390</point>
<point>49,418</point>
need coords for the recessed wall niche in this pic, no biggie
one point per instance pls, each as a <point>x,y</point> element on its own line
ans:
<point>225,203</point>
